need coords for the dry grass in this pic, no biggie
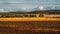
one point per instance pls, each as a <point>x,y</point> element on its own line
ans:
<point>30,19</point>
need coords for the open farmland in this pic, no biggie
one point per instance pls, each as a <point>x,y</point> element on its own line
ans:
<point>16,23</point>
<point>29,27</point>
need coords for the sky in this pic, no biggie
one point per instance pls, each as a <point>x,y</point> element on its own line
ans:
<point>19,5</point>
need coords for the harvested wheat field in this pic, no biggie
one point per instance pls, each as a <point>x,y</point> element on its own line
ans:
<point>29,27</point>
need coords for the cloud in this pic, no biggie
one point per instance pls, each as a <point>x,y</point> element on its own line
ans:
<point>12,5</point>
